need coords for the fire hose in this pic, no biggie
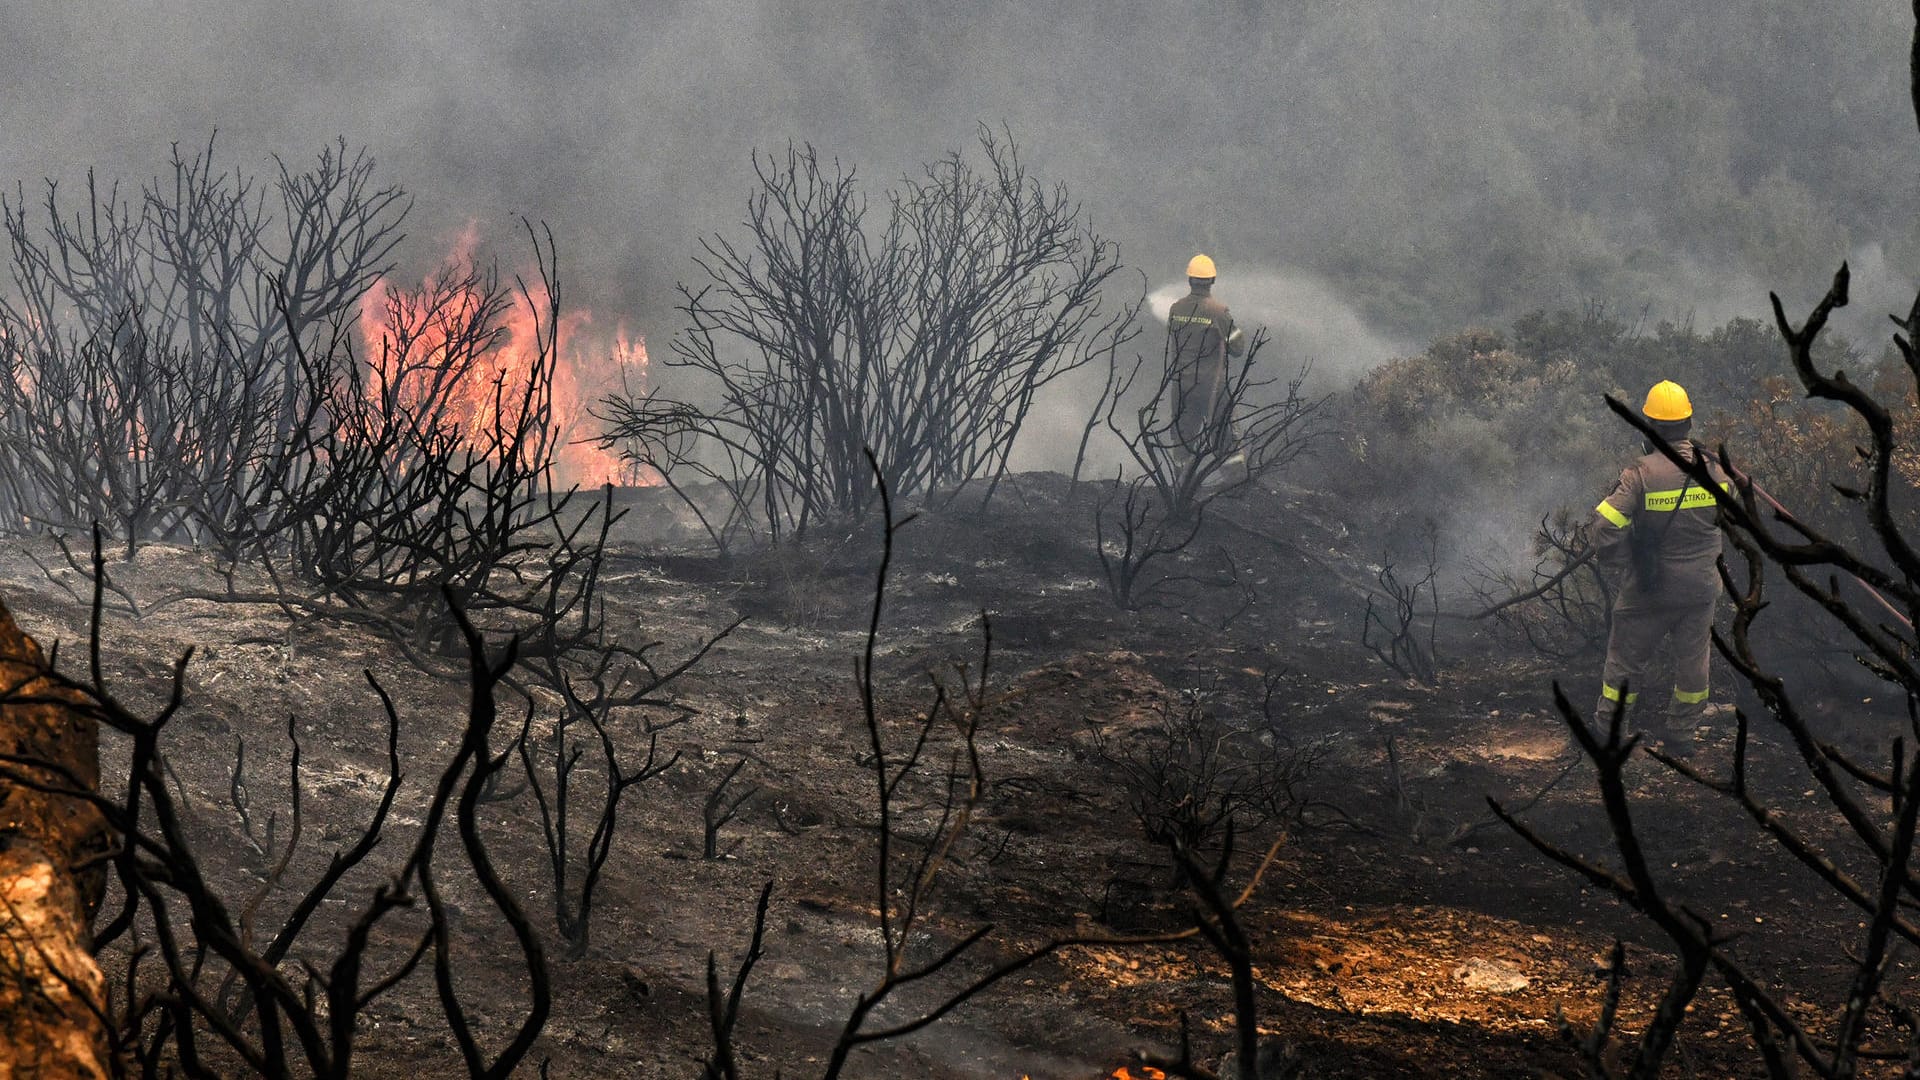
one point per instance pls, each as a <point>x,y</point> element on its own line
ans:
<point>1744,481</point>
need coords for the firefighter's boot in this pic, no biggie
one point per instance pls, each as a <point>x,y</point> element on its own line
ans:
<point>1680,724</point>
<point>1612,702</point>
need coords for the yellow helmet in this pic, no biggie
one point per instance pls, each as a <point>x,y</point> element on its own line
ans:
<point>1667,401</point>
<point>1200,266</point>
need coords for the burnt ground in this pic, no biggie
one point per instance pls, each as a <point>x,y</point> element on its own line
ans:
<point>1400,931</point>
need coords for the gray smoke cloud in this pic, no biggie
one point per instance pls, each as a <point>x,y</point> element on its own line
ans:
<point>1425,165</point>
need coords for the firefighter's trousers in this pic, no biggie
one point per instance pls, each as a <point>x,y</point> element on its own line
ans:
<point>1200,419</point>
<point>1638,630</point>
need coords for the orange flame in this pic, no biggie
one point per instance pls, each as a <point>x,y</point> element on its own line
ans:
<point>1124,1073</point>
<point>1147,1072</point>
<point>425,328</point>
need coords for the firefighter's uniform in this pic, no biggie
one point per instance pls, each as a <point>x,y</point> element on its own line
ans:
<point>1200,337</point>
<point>1658,525</point>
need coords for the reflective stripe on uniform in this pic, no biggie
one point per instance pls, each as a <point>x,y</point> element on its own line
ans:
<point>1694,498</point>
<point>1689,697</point>
<point>1612,693</point>
<point>1190,320</point>
<point>1606,510</point>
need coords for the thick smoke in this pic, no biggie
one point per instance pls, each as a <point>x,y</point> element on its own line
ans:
<point>1432,165</point>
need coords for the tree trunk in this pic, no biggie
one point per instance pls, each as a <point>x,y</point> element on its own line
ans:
<point>52,995</point>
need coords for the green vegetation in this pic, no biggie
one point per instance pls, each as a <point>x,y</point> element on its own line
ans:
<point>1512,423</point>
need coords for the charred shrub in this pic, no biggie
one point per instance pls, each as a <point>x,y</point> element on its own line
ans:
<point>1258,425</point>
<point>1560,607</point>
<point>403,481</point>
<point>1399,626</point>
<point>922,331</point>
<point>1147,523</point>
<point>149,343</point>
<point>1189,778</point>
<point>176,376</point>
<point>181,366</point>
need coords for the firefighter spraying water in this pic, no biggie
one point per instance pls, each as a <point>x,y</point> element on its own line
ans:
<point>1201,336</point>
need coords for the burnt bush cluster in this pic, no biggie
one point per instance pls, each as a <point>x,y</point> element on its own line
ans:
<point>149,340</point>
<point>224,362</point>
<point>1147,521</point>
<point>921,330</point>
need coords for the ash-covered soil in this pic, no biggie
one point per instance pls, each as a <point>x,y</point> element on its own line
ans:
<point>1401,931</point>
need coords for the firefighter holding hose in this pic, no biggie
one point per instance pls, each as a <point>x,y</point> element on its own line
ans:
<point>1656,531</point>
<point>1200,337</point>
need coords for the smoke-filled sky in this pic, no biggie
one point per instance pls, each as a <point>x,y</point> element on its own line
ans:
<point>1431,164</point>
